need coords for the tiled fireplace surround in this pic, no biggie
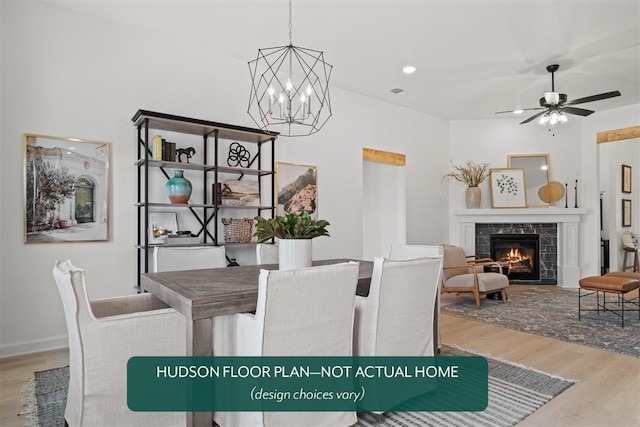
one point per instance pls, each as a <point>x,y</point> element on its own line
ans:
<point>561,223</point>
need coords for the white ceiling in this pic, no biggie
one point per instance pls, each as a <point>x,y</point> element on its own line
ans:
<point>474,57</point>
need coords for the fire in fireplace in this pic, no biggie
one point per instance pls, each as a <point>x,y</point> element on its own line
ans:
<point>519,253</point>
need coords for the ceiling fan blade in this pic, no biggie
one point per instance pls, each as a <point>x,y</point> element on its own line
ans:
<point>577,111</point>
<point>592,98</point>
<point>523,109</point>
<point>535,116</point>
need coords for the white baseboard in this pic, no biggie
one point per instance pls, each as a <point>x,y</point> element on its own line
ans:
<point>35,346</point>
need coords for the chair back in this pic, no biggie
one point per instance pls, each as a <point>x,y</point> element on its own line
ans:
<point>71,286</point>
<point>267,253</point>
<point>405,292</point>
<point>190,258</point>
<point>309,311</point>
<point>401,251</point>
<point>454,255</point>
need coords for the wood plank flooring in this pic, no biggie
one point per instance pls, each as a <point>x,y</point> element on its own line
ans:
<point>607,393</point>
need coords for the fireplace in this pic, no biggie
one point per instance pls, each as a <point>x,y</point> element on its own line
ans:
<point>519,252</point>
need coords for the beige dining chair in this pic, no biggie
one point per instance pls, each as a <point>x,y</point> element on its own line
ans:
<point>103,335</point>
<point>462,273</point>
<point>267,253</point>
<point>188,258</point>
<point>400,251</point>
<point>396,318</point>
<point>304,312</point>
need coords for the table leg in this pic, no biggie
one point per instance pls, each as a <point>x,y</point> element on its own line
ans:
<point>200,343</point>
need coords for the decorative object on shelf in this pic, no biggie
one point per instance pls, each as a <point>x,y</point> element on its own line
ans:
<point>240,193</point>
<point>551,193</point>
<point>161,225</point>
<point>290,89</point>
<point>296,189</point>
<point>566,195</point>
<point>626,179</point>
<point>507,188</point>
<point>66,183</point>
<point>178,188</point>
<point>295,232</point>
<point>238,156</point>
<point>184,154</point>
<point>237,230</point>
<point>626,213</point>
<point>471,174</point>
<point>537,174</point>
<point>576,195</point>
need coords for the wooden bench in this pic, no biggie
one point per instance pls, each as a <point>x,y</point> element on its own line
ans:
<point>619,283</point>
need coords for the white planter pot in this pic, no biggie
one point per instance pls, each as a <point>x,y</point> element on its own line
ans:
<point>294,253</point>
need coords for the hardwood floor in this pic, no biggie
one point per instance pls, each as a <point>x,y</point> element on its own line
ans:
<point>607,392</point>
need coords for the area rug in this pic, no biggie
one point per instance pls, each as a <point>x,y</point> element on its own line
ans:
<point>553,313</point>
<point>514,393</point>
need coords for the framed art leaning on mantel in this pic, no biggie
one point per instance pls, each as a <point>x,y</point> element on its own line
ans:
<point>507,188</point>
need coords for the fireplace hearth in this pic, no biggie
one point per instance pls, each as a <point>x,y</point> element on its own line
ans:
<point>518,252</point>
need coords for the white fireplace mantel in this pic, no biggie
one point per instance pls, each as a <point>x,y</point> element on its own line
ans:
<point>568,220</point>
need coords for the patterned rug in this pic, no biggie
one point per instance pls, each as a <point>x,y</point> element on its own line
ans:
<point>514,393</point>
<point>553,312</point>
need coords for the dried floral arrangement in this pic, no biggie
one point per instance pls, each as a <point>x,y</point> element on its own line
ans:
<point>471,173</point>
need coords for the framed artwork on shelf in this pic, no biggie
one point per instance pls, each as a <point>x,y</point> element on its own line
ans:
<point>161,225</point>
<point>508,188</point>
<point>296,188</point>
<point>626,179</point>
<point>66,189</point>
<point>626,213</point>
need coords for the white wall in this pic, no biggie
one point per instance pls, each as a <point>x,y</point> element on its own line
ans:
<point>77,76</point>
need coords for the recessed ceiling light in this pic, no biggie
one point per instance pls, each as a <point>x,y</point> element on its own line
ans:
<point>518,111</point>
<point>409,69</point>
<point>396,91</point>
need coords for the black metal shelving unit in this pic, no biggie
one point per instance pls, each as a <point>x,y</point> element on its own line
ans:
<point>206,213</point>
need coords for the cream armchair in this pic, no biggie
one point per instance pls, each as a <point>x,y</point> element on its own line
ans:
<point>463,273</point>
<point>304,312</point>
<point>103,335</point>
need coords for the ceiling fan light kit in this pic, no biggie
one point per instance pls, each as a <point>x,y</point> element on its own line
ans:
<point>555,106</point>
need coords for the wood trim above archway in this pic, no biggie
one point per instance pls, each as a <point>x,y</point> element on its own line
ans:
<point>618,134</point>
<point>379,156</point>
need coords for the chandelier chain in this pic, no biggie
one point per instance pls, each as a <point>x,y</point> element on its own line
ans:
<point>290,24</point>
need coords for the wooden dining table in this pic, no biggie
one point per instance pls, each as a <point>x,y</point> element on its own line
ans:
<point>201,295</point>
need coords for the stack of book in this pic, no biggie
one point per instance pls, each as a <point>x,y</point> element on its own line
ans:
<point>163,149</point>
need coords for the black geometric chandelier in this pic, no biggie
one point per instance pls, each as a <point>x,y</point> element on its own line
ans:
<point>290,89</point>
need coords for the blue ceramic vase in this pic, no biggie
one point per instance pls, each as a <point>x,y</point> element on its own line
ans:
<point>178,188</point>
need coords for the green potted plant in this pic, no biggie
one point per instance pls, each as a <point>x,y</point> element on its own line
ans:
<point>295,231</point>
<point>472,174</point>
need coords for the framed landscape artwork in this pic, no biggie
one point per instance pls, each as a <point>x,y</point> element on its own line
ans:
<point>66,189</point>
<point>296,188</point>
<point>507,188</point>
<point>626,179</point>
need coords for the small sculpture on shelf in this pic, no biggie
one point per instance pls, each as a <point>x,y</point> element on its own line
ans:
<point>184,154</point>
<point>238,156</point>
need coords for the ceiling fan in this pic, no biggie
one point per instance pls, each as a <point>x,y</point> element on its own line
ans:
<point>555,105</point>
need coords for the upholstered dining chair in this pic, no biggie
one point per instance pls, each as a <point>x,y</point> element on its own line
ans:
<point>103,335</point>
<point>462,273</point>
<point>267,253</point>
<point>188,258</point>
<point>396,318</point>
<point>303,312</point>
<point>401,251</point>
